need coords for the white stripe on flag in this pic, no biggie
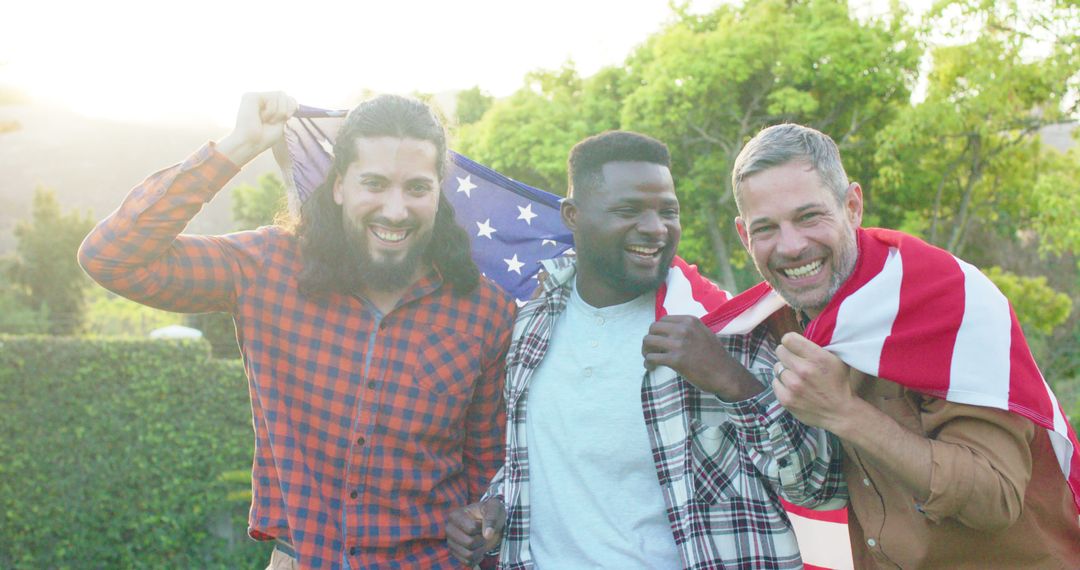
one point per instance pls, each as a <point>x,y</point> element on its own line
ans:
<point>980,370</point>
<point>1059,438</point>
<point>680,295</point>
<point>747,320</point>
<point>865,319</point>
<point>822,543</point>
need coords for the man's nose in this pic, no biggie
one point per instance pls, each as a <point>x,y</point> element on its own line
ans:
<point>650,224</point>
<point>394,206</point>
<point>792,242</point>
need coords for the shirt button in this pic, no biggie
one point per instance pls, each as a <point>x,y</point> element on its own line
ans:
<point>599,320</point>
<point>354,495</point>
<point>372,384</point>
<point>588,372</point>
<point>866,482</point>
<point>360,441</point>
<point>594,343</point>
<point>871,542</point>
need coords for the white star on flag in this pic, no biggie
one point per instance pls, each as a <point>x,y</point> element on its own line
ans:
<point>548,242</point>
<point>485,229</point>
<point>514,265</point>
<point>465,185</point>
<point>526,214</point>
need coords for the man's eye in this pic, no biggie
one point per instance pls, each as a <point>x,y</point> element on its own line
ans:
<point>670,213</point>
<point>373,183</point>
<point>419,188</point>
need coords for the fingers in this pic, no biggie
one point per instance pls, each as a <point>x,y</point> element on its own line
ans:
<point>463,534</point>
<point>799,345</point>
<point>275,107</point>
<point>494,517</point>
<point>783,394</point>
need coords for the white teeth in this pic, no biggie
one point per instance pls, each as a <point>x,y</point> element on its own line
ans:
<point>390,235</point>
<point>642,250</point>
<point>804,270</point>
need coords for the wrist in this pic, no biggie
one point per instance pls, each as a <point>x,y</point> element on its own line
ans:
<point>237,150</point>
<point>849,420</point>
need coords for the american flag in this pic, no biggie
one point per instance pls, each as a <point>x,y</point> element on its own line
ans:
<point>513,227</point>
<point>916,315</point>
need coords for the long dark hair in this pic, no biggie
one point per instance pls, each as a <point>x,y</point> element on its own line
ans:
<point>324,250</point>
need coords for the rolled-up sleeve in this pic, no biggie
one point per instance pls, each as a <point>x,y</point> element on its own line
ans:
<point>981,464</point>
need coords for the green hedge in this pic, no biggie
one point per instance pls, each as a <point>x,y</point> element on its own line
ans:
<point>112,455</point>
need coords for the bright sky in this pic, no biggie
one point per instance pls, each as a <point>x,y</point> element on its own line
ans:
<point>175,61</point>
<point>150,60</point>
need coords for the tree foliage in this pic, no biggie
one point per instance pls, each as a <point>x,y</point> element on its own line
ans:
<point>260,205</point>
<point>959,163</point>
<point>528,135</point>
<point>471,105</point>
<point>704,85</point>
<point>44,269</point>
<point>967,155</point>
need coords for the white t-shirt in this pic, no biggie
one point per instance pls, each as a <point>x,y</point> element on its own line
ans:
<point>595,500</point>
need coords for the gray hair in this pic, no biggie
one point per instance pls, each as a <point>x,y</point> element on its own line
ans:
<point>780,144</point>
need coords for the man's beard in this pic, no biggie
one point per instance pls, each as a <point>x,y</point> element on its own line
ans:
<point>844,259</point>
<point>613,270</point>
<point>383,274</point>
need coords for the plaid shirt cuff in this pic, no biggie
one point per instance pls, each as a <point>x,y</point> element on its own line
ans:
<point>752,414</point>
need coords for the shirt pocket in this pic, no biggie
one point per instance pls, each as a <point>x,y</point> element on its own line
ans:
<point>448,363</point>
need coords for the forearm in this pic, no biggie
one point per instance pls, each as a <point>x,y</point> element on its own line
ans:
<point>892,449</point>
<point>136,251</point>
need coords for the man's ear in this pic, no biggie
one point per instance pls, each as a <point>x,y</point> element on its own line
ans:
<point>338,192</point>
<point>568,210</point>
<point>853,204</point>
<point>744,237</point>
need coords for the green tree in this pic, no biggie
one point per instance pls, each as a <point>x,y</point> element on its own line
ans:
<point>260,205</point>
<point>471,105</point>
<point>45,267</point>
<point>962,162</point>
<point>706,84</point>
<point>17,316</point>
<point>528,135</point>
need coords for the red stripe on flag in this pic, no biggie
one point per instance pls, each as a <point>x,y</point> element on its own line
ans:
<point>1025,380</point>
<point>872,257</point>
<point>834,516</point>
<point>931,314</point>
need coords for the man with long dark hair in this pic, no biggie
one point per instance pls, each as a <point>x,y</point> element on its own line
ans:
<point>373,347</point>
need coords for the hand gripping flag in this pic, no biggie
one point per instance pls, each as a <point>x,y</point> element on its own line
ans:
<point>915,315</point>
<point>513,227</point>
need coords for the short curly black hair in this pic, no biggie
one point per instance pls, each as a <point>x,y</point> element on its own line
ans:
<point>587,159</point>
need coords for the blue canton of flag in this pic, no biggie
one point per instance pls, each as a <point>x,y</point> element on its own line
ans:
<point>513,226</point>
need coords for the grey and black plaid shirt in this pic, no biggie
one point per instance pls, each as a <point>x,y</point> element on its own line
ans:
<point>721,465</point>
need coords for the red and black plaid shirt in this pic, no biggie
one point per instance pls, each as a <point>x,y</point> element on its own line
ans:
<point>369,428</point>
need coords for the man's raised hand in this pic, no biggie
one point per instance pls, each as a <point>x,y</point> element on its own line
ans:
<point>260,123</point>
<point>814,384</point>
